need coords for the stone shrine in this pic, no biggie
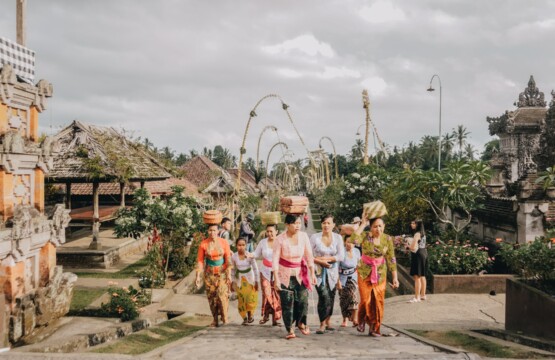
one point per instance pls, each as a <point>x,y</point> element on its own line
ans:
<point>34,290</point>
<point>517,207</point>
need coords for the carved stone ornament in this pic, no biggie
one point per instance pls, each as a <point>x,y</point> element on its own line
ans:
<point>531,97</point>
<point>552,103</point>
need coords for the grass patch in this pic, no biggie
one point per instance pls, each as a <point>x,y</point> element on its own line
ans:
<point>83,298</point>
<point>129,271</point>
<point>479,346</point>
<point>150,339</point>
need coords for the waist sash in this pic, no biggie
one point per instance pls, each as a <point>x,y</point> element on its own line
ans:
<point>347,271</point>
<point>373,263</point>
<point>304,270</point>
<point>246,271</point>
<point>214,263</point>
<point>267,263</point>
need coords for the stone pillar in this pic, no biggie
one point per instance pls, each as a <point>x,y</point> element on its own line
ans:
<point>39,190</point>
<point>95,243</point>
<point>6,197</point>
<point>530,221</point>
<point>4,315</point>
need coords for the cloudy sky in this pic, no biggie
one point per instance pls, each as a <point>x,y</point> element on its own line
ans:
<point>186,74</point>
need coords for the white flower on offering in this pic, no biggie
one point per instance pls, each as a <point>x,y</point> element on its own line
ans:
<point>355,175</point>
<point>352,190</point>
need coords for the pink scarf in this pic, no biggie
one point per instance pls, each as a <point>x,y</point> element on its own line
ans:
<point>304,270</point>
<point>374,263</point>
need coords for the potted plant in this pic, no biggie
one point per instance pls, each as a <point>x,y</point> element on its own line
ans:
<point>547,181</point>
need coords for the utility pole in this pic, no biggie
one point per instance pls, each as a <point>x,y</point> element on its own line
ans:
<point>20,22</point>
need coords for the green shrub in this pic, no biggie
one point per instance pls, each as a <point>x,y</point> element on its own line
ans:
<point>533,261</point>
<point>125,303</point>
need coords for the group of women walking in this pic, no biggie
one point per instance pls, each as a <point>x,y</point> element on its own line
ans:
<point>292,265</point>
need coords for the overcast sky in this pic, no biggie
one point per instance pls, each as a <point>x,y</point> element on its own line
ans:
<point>186,74</point>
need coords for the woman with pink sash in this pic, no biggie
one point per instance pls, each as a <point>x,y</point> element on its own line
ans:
<point>270,297</point>
<point>293,265</point>
<point>378,255</point>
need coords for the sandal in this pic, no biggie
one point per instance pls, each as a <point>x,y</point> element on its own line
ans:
<point>413,300</point>
<point>214,324</point>
<point>275,323</point>
<point>305,330</point>
<point>290,336</point>
<point>329,328</point>
<point>360,327</point>
<point>320,332</point>
<point>245,321</point>
<point>263,321</point>
<point>374,334</point>
<point>423,298</point>
<point>250,320</point>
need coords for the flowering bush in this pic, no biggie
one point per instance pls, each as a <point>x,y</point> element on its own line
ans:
<point>170,221</point>
<point>457,258</point>
<point>125,303</point>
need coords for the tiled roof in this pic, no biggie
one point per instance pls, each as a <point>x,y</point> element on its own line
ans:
<point>161,187</point>
<point>529,116</point>
<point>502,210</point>
<point>201,171</point>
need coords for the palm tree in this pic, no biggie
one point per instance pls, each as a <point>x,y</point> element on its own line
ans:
<point>469,151</point>
<point>357,151</point>
<point>447,143</point>
<point>429,151</point>
<point>461,134</point>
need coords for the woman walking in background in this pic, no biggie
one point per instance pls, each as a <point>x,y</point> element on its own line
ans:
<point>378,255</point>
<point>348,283</point>
<point>214,260</point>
<point>418,260</point>
<point>270,298</point>
<point>328,251</point>
<point>293,265</point>
<point>245,281</point>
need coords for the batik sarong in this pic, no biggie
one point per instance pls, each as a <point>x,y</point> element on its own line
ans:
<point>348,298</point>
<point>247,298</point>
<point>270,300</point>
<point>217,293</point>
<point>326,299</point>
<point>294,303</point>
<point>372,299</point>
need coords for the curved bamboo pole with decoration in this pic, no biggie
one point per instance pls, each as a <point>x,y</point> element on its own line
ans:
<point>252,114</point>
<point>334,153</point>
<point>268,157</point>
<point>269,127</point>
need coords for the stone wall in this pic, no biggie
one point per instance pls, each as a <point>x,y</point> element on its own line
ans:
<point>468,284</point>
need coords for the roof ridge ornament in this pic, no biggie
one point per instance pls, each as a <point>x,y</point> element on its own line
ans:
<point>532,96</point>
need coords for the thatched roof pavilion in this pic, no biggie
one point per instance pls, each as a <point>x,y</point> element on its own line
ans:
<point>96,154</point>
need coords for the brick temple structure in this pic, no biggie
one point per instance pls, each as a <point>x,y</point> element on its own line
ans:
<point>35,291</point>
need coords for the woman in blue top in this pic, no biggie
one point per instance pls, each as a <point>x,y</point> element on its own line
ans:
<point>328,251</point>
<point>418,260</point>
<point>348,283</point>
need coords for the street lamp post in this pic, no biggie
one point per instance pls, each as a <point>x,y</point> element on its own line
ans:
<point>439,140</point>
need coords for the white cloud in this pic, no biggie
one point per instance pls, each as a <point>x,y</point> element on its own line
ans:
<point>382,12</point>
<point>289,73</point>
<point>375,85</point>
<point>306,44</point>
<point>331,72</point>
<point>444,18</point>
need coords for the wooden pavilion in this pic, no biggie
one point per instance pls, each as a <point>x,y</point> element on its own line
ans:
<point>95,154</point>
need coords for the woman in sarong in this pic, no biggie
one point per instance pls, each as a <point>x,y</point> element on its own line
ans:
<point>270,297</point>
<point>348,283</point>
<point>293,265</point>
<point>328,251</point>
<point>214,261</point>
<point>378,256</point>
<point>245,281</point>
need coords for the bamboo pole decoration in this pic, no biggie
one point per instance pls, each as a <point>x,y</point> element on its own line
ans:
<point>334,153</point>
<point>366,105</point>
<point>268,157</point>
<point>269,127</point>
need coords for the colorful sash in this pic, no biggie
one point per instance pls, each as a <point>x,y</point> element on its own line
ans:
<point>267,263</point>
<point>304,270</point>
<point>347,271</point>
<point>246,271</point>
<point>215,263</point>
<point>373,263</point>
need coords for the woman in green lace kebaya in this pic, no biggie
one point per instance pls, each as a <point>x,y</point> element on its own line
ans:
<point>378,255</point>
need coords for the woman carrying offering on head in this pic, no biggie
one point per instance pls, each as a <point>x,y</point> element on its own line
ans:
<point>213,260</point>
<point>293,265</point>
<point>270,298</point>
<point>418,260</point>
<point>328,251</point>
<point>245,281</point>
<point>378,256</point>
<point>348,283</point>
